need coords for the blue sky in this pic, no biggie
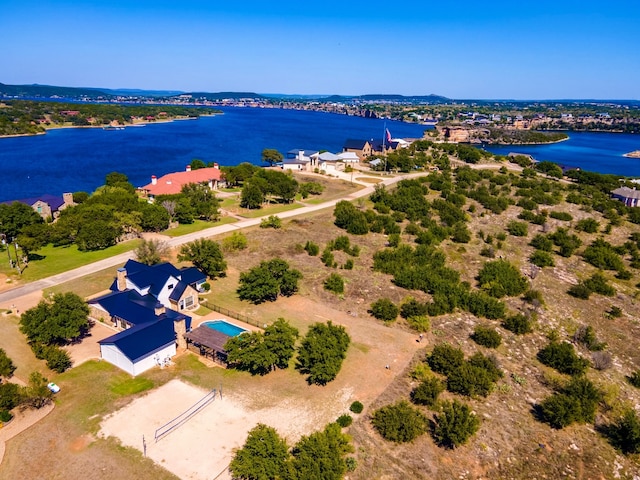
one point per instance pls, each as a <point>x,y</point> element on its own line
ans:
<point>464,49</point>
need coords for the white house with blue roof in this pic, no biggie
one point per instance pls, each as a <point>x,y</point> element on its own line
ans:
<point>147,303</point>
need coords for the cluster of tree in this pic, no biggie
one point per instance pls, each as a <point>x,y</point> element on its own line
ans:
<point>500,278</point>
<point>30,117</point>
<point>34,395</point>
<point>520,137</point>
<point>265,184</point>
<point>576,402</point>
<point>205,255</point>
<point>473,377</point>
<point>596,283</point>
<point>322,352</point>
<point>266,456</point>
<point>259,353</point>
<point>194,202</point>
<point>267,281</point>
<point>53,323</point>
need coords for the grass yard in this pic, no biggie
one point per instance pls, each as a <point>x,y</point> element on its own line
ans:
<point>85,286</point>
<point>196,226</point>
<point>56,260</point>
<point>14,343</point>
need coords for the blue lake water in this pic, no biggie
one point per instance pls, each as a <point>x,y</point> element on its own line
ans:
<point>594,151</point>
<point>68,160</point>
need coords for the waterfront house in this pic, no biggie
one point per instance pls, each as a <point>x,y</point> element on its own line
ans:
<point>172,183</point>
<point>328,162</point>
<point>47,206</point>
<point>629,196</point>
<point>362,148</point>
<point>300,160</point>
<point>147,303</point>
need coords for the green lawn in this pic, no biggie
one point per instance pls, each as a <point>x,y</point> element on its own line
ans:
<point>196,226</point>
<point>271,210</point>
<point>56,260</point>
<point>85,286</point>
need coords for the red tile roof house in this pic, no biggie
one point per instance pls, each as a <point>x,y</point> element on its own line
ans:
<point>172,183</point>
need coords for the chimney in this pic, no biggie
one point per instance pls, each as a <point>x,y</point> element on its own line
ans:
<point>216,166</point>
<point>180,327</point>
<point>300,155</point>
<point>188,168</point>
<point>121,279</point>
<point>159,309</point>
<point>154,180</point>
<point>67,198</point>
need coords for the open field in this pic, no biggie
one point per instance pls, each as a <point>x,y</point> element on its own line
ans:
<point>196,226</point>
<point>510,444</point>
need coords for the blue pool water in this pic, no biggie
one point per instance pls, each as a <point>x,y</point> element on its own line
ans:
<point>224,327</point>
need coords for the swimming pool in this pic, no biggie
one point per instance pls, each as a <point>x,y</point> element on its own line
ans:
<point>224,327</point>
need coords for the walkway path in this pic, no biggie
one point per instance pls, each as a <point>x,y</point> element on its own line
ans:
<point>120,259</point>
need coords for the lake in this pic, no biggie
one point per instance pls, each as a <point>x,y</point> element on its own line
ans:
<point>594,151</point>
<point>74,159</point>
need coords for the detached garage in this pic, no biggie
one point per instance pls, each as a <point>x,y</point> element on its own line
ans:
<point>142,347</point>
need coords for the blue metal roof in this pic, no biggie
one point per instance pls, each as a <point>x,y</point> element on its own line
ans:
<point>143,340</point>
<point>192,275</point>
<point>54,201</point>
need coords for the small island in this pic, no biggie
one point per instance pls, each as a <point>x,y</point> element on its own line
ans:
<point>634,154</point>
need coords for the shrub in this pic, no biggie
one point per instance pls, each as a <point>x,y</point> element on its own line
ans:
<point>356,407</point>
<point>57,359</point>
<point>427,392</point>
<point>413,308</point>
<point>419,323</point>
<point>470,380</point>
<point>486,336</point>
<point>5,416</point>
<point>272,221</point>
<point>454,425</point>
<point>615,312</point>
<point>541,259</point>
<point>499,278</point>
<point>444,358</point>
<point>518,324</point>
<point>564,216</point>
<point>394,240</point>
<point>533,297</point>
<point>327,258</point>
<point>602,360</point>
<point>563,358</point>
<point>10,395</point>
<point>399,422</point>
<point>597,283</point>
<point>517,229</point>
<point>206,286</point>
<point>586,336</point>
<point>542,242</point>
<point>587,225</point>
<point>236,241</point>
<point>350,462</point>
<point>634,379</point>
<point>575,403</point>
<point>384,309</point>
<point>580,291</point>
<point>334,283</point>
<point>311,248</point>
<point>624,434</point>
<point>344,420</point>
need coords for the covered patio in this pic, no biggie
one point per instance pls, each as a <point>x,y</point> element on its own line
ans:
<point>208,343</point>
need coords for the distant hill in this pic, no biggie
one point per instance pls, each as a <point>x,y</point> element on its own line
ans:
<point>49,91</point>
<point>223,95</point>
<point>379,97</point>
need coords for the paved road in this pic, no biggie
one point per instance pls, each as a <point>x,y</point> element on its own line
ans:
<point>118,260</point>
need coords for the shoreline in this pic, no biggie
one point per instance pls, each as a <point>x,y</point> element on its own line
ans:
<point>136,124</point>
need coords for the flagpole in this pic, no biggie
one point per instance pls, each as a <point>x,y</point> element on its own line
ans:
<point>384,147</point>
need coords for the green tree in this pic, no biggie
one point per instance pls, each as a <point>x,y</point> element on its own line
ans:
<point>322,352</point>
<point>384,309</point>
<point>206,255</point>
<point>271,156</point>
<point>624,434</point>
<point>486,336</point>
<point>444,358</point>
<point>152,251</point>
<point>427,392</point>
<point>10,395</point>
<point>280,339</point>
<point>58,321</point>
<point>321,455</point>
<point>155,218</point>
<point>454,425</point>
<point>334,283</point>
<point>264,456</point>
<point>268,280</point>
<point>499,278</point>
<point>15,216</point>
<point>36,394</point>
<point>251,197</point>
<point>562,357</point>
<point>399,422</point>
<point>6,365</point>
<point>249,352</point>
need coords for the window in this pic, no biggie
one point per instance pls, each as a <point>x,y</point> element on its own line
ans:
<point>169,287</point>
<point>188,301</point>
